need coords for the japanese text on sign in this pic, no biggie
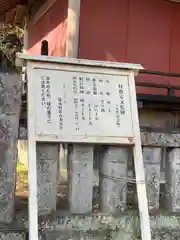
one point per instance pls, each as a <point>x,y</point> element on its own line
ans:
<point>83,103</point>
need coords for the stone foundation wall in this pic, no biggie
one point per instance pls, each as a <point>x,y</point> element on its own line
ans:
<point>112,171</point>
<point>97,227</point>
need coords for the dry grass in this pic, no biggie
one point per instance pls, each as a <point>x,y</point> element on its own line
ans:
<point>22,180</point>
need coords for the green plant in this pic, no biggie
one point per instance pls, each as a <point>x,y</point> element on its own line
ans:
<point>11,41</point>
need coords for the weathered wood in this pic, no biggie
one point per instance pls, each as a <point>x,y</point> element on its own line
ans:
<point>152,163</point>
<point>42,11</point>
<point>72,31</point>
<point>172,195</point>
<point>10,97</point>
<point>113,180</point>
<point>80,163</point>
<point>47,170</point>
<point>148,138</point>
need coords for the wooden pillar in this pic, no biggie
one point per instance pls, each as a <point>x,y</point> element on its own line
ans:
<point>172,194</point>
<point>80,159</point>
<point>72,32</point>
<point>152,162</point>
<point>113,180</point>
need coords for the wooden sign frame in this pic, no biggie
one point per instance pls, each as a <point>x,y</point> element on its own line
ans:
<point>35,63</point>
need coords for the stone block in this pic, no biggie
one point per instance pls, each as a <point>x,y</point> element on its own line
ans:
<point>172,188</point>
<point>12,236</point>
<point>10,98</point>
<point>113,179</point>
<point>80,163</point>
<point>152,161</point>
<point>47,174</point>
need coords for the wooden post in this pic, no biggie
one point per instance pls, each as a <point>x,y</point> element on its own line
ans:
<point>80,190</point>
<point>72,32</point>
<point>113,180</point>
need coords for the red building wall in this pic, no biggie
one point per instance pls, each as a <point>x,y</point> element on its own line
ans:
<point>52,27</point>
<point>136,31</point>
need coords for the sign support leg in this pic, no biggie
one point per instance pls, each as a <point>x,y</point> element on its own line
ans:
<point>32,165</point>
<point>141,193</point>
<point>139,166</point>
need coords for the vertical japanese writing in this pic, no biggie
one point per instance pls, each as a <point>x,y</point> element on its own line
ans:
<point>94,86</point>
<point>96,110</point>
<point>117,116</point>
<point>81,85</point>
<point>76,114</point>
<point>43,100</point>
<point>48,99</point>
<point>102,106</point>
<point>60,113</point>
<point>121,96</point>
<point>90,114</point>
<point>82,109</point>
<point>109,105</point>
<point>75,85</point>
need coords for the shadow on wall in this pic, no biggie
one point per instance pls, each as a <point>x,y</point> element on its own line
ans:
<point>51,27</point>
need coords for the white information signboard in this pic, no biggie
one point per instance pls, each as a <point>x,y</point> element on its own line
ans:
<point>80,106</point>
<point>72,100</point>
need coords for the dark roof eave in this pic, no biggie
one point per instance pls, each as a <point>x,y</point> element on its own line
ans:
<point>8,5</point>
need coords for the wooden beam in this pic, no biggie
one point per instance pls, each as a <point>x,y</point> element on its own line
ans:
<point>20,13</point>
<point>45,7</point>
<point>148,138</point>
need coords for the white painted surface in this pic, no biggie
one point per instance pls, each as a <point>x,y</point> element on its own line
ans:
<point>21,57</point>
<point>130,123</point>
<point>81,104</point>
<point>139,169</point>
<point>32,164</point>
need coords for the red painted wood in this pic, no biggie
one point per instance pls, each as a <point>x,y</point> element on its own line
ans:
<point>149,39</point>
<point>133,31</point>
<point>103,29</point>
<point>52,27</point>
<point>137,31</point>
<point>175,41</point>
<point>175,46</point>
